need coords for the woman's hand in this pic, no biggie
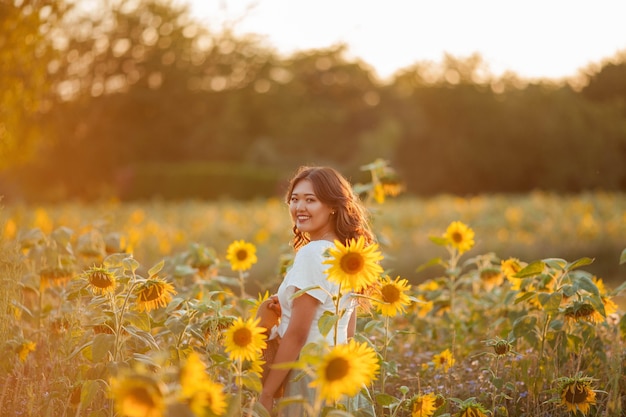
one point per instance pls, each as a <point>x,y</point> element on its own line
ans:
<point>269,312</point>
<point>274,305</point>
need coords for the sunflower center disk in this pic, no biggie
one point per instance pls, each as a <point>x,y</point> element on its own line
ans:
<point>337,369</point>
<point>390,293</point>
<point>352,263</point>
<point>242,337</point>
<point>140,399</point>
<point>576,395</point>
<point>242,254</point>
<point>100,280</point>
<point>151,293</point>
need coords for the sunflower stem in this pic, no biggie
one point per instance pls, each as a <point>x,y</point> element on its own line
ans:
<point>544,332</point>
<point>239,380</point>
<point>242,288</point>
<point>119,317</point>
<point>336,326</point>
<point>495,389</point>
<point>383,377</point>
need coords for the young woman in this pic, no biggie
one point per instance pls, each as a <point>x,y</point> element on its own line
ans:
<point>323,209</point>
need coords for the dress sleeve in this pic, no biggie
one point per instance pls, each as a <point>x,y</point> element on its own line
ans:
<point>308,271</point>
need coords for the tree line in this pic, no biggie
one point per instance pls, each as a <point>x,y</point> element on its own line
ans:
<point>136,100</point>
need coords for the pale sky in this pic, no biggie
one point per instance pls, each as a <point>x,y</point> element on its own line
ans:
<point>534,38</point>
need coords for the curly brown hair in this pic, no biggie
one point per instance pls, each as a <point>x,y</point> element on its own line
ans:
<point>333,189</point>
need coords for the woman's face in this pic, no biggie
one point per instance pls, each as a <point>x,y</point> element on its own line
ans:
<point>309,214</point>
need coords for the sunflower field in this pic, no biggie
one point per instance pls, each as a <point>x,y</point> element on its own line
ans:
<point>477,306</point>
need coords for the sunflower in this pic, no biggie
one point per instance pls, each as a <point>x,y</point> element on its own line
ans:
<point>345,370</point>
<point>577,394</point>
<point>198,390</point>
<point>473,409</point>
<point>424,306</point>
<point>241,255</point>
<point>254,366</point>
<point>491,278</point>
<point>24,349</point>
<point>423,405</point>
<point>502,347</point>
<point>459,236</point>
<point>580,310</point>
<point>54,276</point>
<point>354,265</point>
<point>138,396</point>
<point>391,296</point>
<point>444,360</point>
<point>429,285</point>
<point>609,305</point>
<point>379,193</point>
<point>509,268</point>
<point>258,302</point>
<point>100,280</point>
<point>244,340</point>
<point>154,293</point>
<point>392,187</point>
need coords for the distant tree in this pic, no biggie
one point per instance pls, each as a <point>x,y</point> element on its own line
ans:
<point>318,106</point>
<point>26,51</point>
<point>464,137</point>
<point>609,83</point>
<point>142,82</point>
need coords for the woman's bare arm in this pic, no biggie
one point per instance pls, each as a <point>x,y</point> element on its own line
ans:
<point>352,325</point>
<point>302,314</point>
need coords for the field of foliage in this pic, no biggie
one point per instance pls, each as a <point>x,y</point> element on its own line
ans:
<point>489,305</point>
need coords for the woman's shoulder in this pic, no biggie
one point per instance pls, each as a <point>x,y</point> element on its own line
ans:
<point>315,247</point>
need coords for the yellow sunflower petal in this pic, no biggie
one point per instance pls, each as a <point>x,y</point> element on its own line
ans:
<point>577,395</point>
<point>198,390</point>
<point>154,293</point>
<point>138,396</point>
<point>345,370</point>
<point>241,255</point>
<point>423,405</point>
<point>244,340</point>
<point>391,296</point>
<point>354,266</point>
<point>459,236</point>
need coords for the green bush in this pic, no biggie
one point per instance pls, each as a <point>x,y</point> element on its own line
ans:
<point>173,181</point>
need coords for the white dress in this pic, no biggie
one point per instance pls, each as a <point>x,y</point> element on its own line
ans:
<point>308,270</point>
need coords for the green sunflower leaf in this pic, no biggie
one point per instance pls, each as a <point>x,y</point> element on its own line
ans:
<point>585,282</point>
<point>532,269</point>
<point>89,390</point>
<point>156,268</point>
<point>102,344</point>
<point>441,241</point>
<point>385,399</point>
<point>432,262</point>
<point>579,262</point>
<point>327,322</point>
